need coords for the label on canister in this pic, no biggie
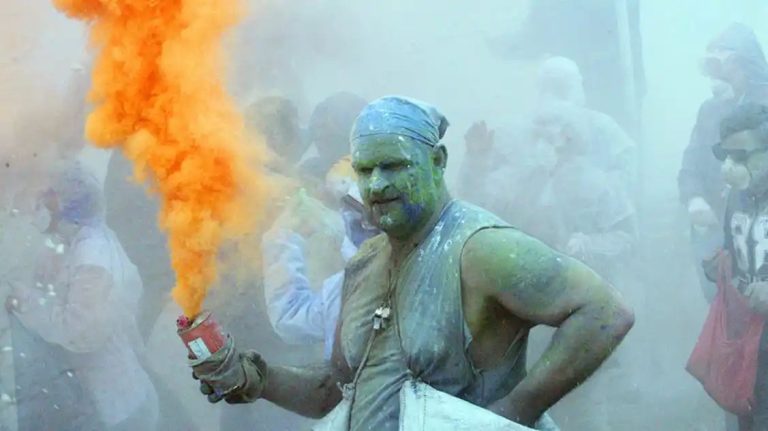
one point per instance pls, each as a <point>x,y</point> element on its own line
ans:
<point>199,349</point>
<point>203,337</point>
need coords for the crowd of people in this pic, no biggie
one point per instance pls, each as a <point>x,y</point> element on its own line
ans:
<point>413,296</point>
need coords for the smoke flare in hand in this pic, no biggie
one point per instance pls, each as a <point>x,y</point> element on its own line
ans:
<point>159,96</point>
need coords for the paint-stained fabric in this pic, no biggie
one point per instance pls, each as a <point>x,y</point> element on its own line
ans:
<point>298,314</point>
<point>395,115</point>
<point>429,338</point>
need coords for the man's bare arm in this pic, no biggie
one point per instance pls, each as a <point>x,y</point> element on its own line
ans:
<point>543,286</point>
<point>308,391</point>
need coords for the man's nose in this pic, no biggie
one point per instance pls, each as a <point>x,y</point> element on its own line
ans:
<point>379,182</point>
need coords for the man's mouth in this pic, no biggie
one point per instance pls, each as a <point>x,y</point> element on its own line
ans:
<point>383,201</point>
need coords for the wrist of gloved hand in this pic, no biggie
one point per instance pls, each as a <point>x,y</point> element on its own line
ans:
<point>231,375</point>
<point>255,371</point>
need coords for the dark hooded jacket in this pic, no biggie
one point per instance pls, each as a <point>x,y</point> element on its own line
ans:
<point>700,171</point>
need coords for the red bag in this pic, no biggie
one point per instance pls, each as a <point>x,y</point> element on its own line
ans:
<point>724,359</point>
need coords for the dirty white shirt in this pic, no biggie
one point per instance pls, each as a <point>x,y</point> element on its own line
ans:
<point>298,313</point>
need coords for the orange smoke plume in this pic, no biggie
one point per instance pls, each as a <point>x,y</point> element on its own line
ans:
<point>159,96</point>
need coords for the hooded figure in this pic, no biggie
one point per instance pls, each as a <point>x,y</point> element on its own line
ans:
<point>560,191</point>
<point>589,32</point>
<point>735,60</point>
<point>516,149</point>
<point>85,301</point>
<point>741,60</point>
<point>560,80</point>
<point>610,148</point>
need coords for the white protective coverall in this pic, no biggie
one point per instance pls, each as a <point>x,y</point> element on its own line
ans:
<point>85,300</point>
<point>298,313</point>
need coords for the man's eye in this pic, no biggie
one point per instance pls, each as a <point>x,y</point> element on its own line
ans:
<point>395,166</point>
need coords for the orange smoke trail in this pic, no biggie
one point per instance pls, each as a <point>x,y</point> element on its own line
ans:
<point>159,96</point>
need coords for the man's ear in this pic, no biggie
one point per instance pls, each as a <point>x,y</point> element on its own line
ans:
<point>440,157</point>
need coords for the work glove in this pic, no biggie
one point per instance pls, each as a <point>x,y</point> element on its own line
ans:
<point>235,377</point>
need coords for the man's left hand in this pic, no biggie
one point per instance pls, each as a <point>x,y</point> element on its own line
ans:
<point>757,294</point>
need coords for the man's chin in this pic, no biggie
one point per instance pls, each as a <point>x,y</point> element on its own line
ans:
<point>387,224</point>
<point>384,222</point>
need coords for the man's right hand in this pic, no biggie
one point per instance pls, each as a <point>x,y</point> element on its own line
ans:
<point>479,138</point>
<point>235,377</point>
<point>701,213</point>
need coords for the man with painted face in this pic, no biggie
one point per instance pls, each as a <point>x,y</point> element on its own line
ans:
<point>737,67</point>
<point>438,308</point>
<point>744,152</point>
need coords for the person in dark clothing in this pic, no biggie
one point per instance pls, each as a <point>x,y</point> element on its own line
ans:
<point>736,64</point>
<point>744,151</point>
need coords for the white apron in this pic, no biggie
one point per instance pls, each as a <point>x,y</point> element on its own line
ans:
<point>424,408</point>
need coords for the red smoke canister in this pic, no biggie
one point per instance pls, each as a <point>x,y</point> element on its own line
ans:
<point>203,336</point>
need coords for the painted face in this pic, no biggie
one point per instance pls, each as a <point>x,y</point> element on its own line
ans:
<point>720,64</point>
<point>400,182</point>
<point>745,160</point>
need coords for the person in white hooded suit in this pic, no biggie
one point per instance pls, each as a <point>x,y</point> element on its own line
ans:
<point>85,301</point>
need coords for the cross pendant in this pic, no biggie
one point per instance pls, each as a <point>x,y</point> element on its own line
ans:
<point>381,317</point>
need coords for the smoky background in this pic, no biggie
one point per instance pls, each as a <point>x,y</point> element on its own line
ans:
<point>443,52</point>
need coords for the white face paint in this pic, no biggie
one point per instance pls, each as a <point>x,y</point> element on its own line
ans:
<point>735,174</point>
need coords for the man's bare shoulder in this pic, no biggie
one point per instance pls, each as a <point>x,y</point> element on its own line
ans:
<point>527,277</point>
<point>508,252</point>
